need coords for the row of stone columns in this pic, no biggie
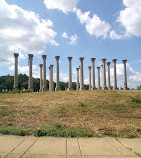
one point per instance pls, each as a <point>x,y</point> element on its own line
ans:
<point>115,75</point>
<point>43,82</point>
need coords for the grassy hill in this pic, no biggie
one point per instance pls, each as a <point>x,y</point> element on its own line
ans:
<point>86,113</point>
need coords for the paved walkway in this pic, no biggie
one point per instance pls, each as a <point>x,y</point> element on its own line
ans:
<point>50,147</point>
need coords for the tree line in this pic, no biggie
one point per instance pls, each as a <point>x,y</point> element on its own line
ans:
<point>7,82</point>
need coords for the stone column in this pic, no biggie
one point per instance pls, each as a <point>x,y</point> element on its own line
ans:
<point>44,73</point>
<point>57,74</point>
<point>115,74</point>
<point>93,73</point>
<point>16,71</point>
<point>81,74</point>
<point>77,85</point>
<point>51,88</point>
<point>90,87</point>
<point>41,78</point>
<point>125,75</point>
<point>70,74</point>
<point>98,69</point>
<point>109,80</point>
<point>104,74</point>
<point>30,81</point>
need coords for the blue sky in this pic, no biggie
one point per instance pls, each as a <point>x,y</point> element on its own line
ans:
<point>38,27</point>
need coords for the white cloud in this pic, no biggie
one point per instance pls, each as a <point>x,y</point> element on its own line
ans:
<point>73,40</point>
<point>22,31</point>
<point>115,36</point>
<point>133,77</point>
<point>65,35</point>
<point>94,26</point>
<point>63,5</point>
<point>130,17</point>
<point>25,70</point>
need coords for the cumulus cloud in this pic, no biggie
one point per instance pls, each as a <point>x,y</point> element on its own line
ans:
<point>130,17</point>
<point>133,77</point>
<point>115,36</point>
<point>94,26</point>
<point>22,31</point>
<point>73,40</point>
<point>63,5</point>
<point>25,70</point>
<point>65,35</point>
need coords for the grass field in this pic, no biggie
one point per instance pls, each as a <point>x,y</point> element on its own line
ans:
<point>86,113</point>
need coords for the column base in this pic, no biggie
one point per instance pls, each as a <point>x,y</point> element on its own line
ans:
<point>126,88</point>
<point>31,89</point>
<point>82,89</point>
<point>104,88</point>
<point>57,89</point>
<point>40,90</point>
<point>44,89</point>
<point>115,88</point>
<point>70,89</point>
<point>93,88</point>
<point>51,89</point>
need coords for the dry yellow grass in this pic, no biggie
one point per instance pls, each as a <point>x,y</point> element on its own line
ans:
<point>102,111</point>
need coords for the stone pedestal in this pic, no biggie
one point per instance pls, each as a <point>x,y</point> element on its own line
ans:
<point>90,87</point>
<point>51,88</point>
<point>44,73</point>
<point>30,81</point>
<point>109,79</point>
<point>93,73</point>
<point>81,74</point>
<point>104,74</point>
<point>98,69</point>
<point>125,75</point>
<point>16,71</point>
<point>70,74</point>
<point>77,85</point>
<point>57,74</point>
<point>41,78</point>
<point>115,74</point>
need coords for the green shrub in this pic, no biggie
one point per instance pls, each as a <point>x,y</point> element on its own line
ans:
<point>28,90</point>
<point>59,130</point>
<point>14,91</point>
<point>136,100</point>
<point>13,130</point>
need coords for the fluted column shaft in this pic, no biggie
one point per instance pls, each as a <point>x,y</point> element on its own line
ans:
<point>81,74</point>
<point>70,73</point>
<point>41,78</point>
<point>51,88</point>
<point>104,74</point>
<point>109,80</point>
<point>115,74</point>
<point>16,71</point>
<point>93,73</point>
<point>90,77</point>
<point>30,82</point>
<point>57,73</point>
<point>77,86</point>
<point>44,73</point>
<point>125,75</point>
<point>98,69</point>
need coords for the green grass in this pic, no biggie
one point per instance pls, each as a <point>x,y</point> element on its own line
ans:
<point>132,116</point>
<point>5,111</point>
<point>13,130</point>
<point>137,99</point>
<point>138,154</point>
<point>56,130</point>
